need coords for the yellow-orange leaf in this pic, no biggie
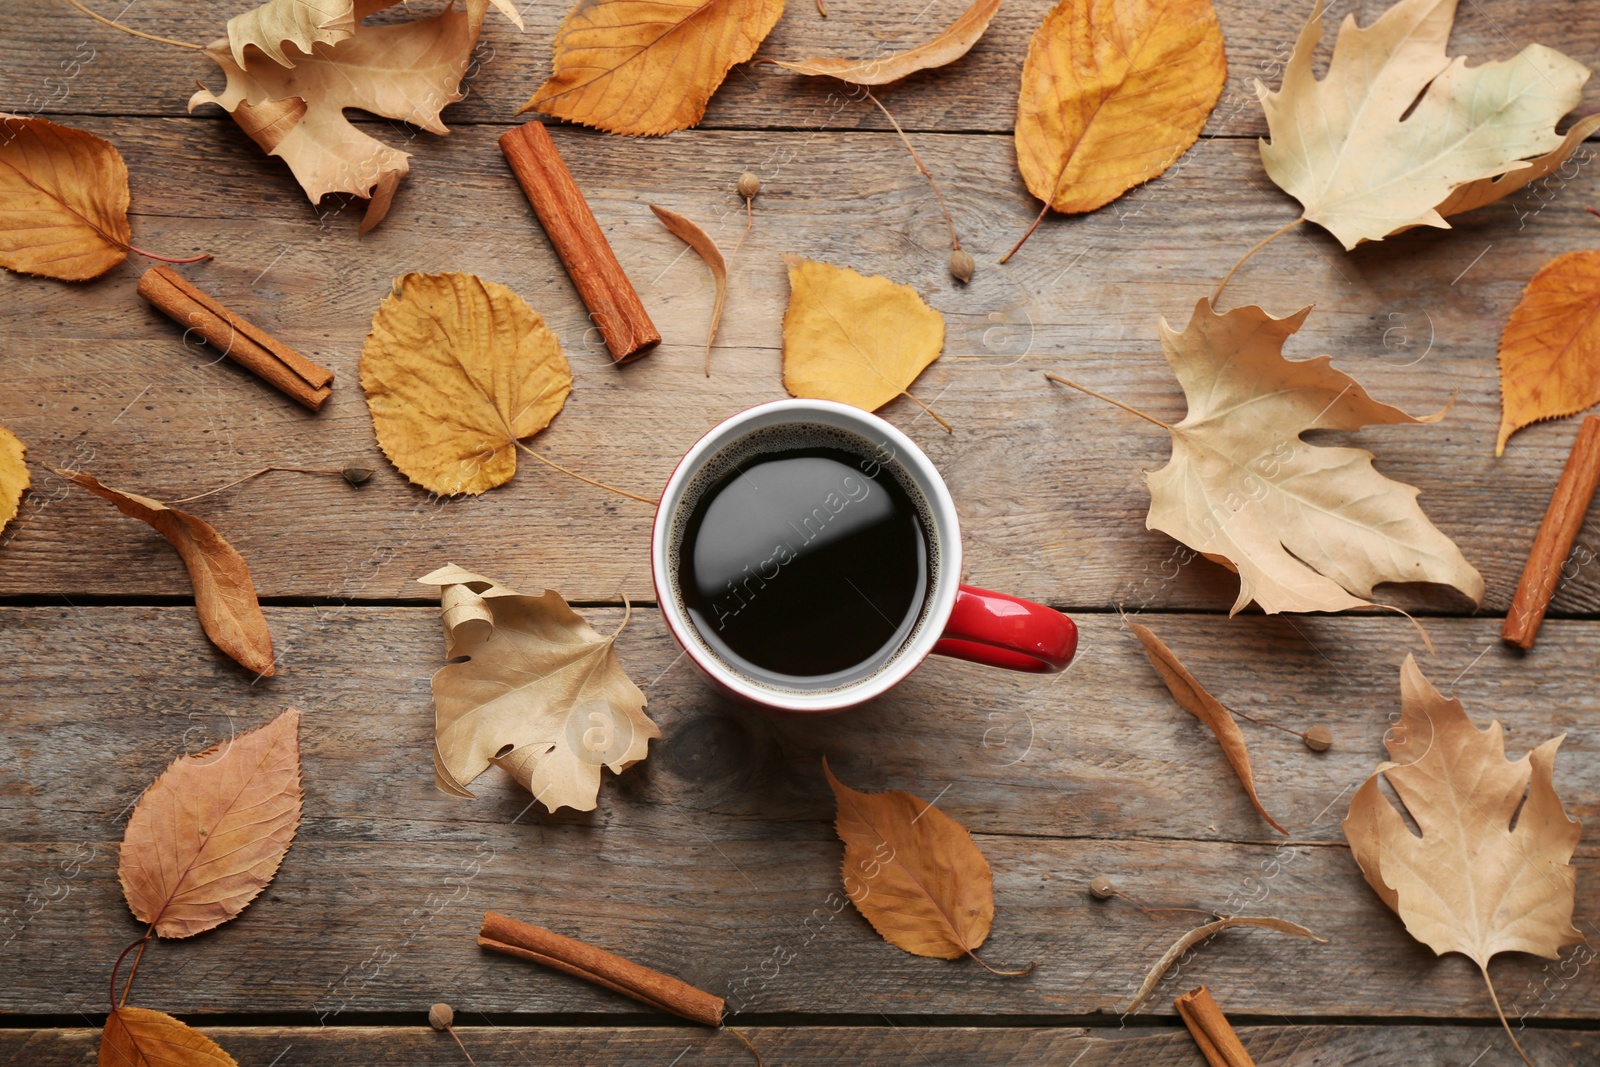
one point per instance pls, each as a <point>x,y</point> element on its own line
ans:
<point>854,339</point>
<point>1113,92</point>
<point>63,200</point>
<point>643,67</point>
<point>14,478</point>
<point>224,597</point>
<point>139,1037</point>
<point>209,835</point>
<point>1550,350</point>
<point>956,41</point>
<point>704,247</point>
<point>456,371</point>
<point>1192,697</point>
<point>913,872</point>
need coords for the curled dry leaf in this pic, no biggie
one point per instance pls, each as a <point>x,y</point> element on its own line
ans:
<point>1550,349</point>
<point>1307,527</point>
<point>955,41</point>
<point>1389,137</point>
<point>1201,933</point>
<point>304,24</point>
<point>1192,696</point>
<point>63,200</point>
<point>456,371</point>
<point>224,596</point>
<point>1472,882</point>
<point>1113,92</point>
<point>857,340</point>
<point>913,872</point>
<point>208,836</point>
<point>408,72</point>
<point>139,1037</point>
<point>14,479</point>
<point>645,67</point>
<point>707,250</point>
<point>532,688</point>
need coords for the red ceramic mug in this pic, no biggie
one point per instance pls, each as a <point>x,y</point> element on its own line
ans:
<point>955,620</point>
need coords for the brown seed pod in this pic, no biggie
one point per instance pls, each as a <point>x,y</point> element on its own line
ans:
<point>356,475</point>
<point>1100,887</point>
<point>749,185</point>
<point>962,265</point>
<point>1319,739</point>
<point>441,1016</point>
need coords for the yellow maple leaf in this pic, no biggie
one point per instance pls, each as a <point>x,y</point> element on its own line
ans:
<point>645,67</point>
<point>456,371</point>
<point>1550,349</point>
<point>853,339</point>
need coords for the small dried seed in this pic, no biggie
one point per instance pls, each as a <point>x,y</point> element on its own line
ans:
<point>1100,887</point>
<point>356,475</point>
<point>441,1016</point>
<point>962,265</point>
<point>749,185</point>
<point>1319,739</point>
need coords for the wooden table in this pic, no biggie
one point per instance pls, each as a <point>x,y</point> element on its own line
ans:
<point>714,860</point>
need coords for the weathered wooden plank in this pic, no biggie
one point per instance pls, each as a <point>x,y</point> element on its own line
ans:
<point>1048,482</point>
<point>829,1046</point>
<point>57,61</point>
<point>715,859</point>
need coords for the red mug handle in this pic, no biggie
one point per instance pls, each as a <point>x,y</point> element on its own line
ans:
<point>1006,631</point>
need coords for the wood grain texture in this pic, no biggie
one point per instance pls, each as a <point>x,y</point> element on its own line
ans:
<point>978,92</point>
<point>1049,483</point>
<point>715,860</point>
<point>878,1045</point>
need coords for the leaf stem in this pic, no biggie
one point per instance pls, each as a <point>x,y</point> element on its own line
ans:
<point>136,33</point>
<point>1273,236</point>
<point>1108,400</point>
<point>127,987</point>
<point>753,1050</point>
<point>115,967</point>
<point>955,242</point>
<point>1004,974</point>
<point>1027,235</point>
<point>462,1047</point>
<point>248,477</point>
<point>947,427</point>
<point>169,259</point>
<point>602,485</point>
<point>1264,722</point>
<point>1484,968</point>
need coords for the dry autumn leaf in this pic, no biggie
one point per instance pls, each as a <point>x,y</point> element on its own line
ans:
<point>1490,871</point>
<point>304,24</point>
<point>1192,697</point>
<point>139,1037</point>
<point>857,340</point>
<point>409,72</point>
<point>955,41</point>
<point>14,479</point>
<point>63,200</point>
<point>914,873</point>
<point>707,250</point>
<point>456,371</point>
<point>224,597</point>
<point>1307,527</point>
<point>1113,92</point>
<point>532,688</point>
<point>1201,933</point>
<point>646,67</point>
<point>1392,132</point>
<point>209,835</point>
<point>1550,349</point>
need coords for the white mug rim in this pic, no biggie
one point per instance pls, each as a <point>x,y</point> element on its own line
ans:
<point>945,583</point>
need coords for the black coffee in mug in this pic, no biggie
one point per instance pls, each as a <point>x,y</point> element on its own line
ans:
<point>803,560</point>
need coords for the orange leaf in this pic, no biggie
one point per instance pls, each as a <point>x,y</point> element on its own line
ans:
<point>644,67</point>
<point>704,247</point>
<point>1550,350</point>
<point>223,594</point>
<point>1113,92</point>
<point>1191,695</point>
<point>139,1037</point>
<point>63,200</point>
<point>209,835</point>
<point>913,872</point>
<point>956,41</point>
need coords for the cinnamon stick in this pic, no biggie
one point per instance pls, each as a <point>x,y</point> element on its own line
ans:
<point>578,240</point>
<point>1211,1030</point>
<point>243,342</point>
<point>502,934</point>
<point>1557,534</point>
